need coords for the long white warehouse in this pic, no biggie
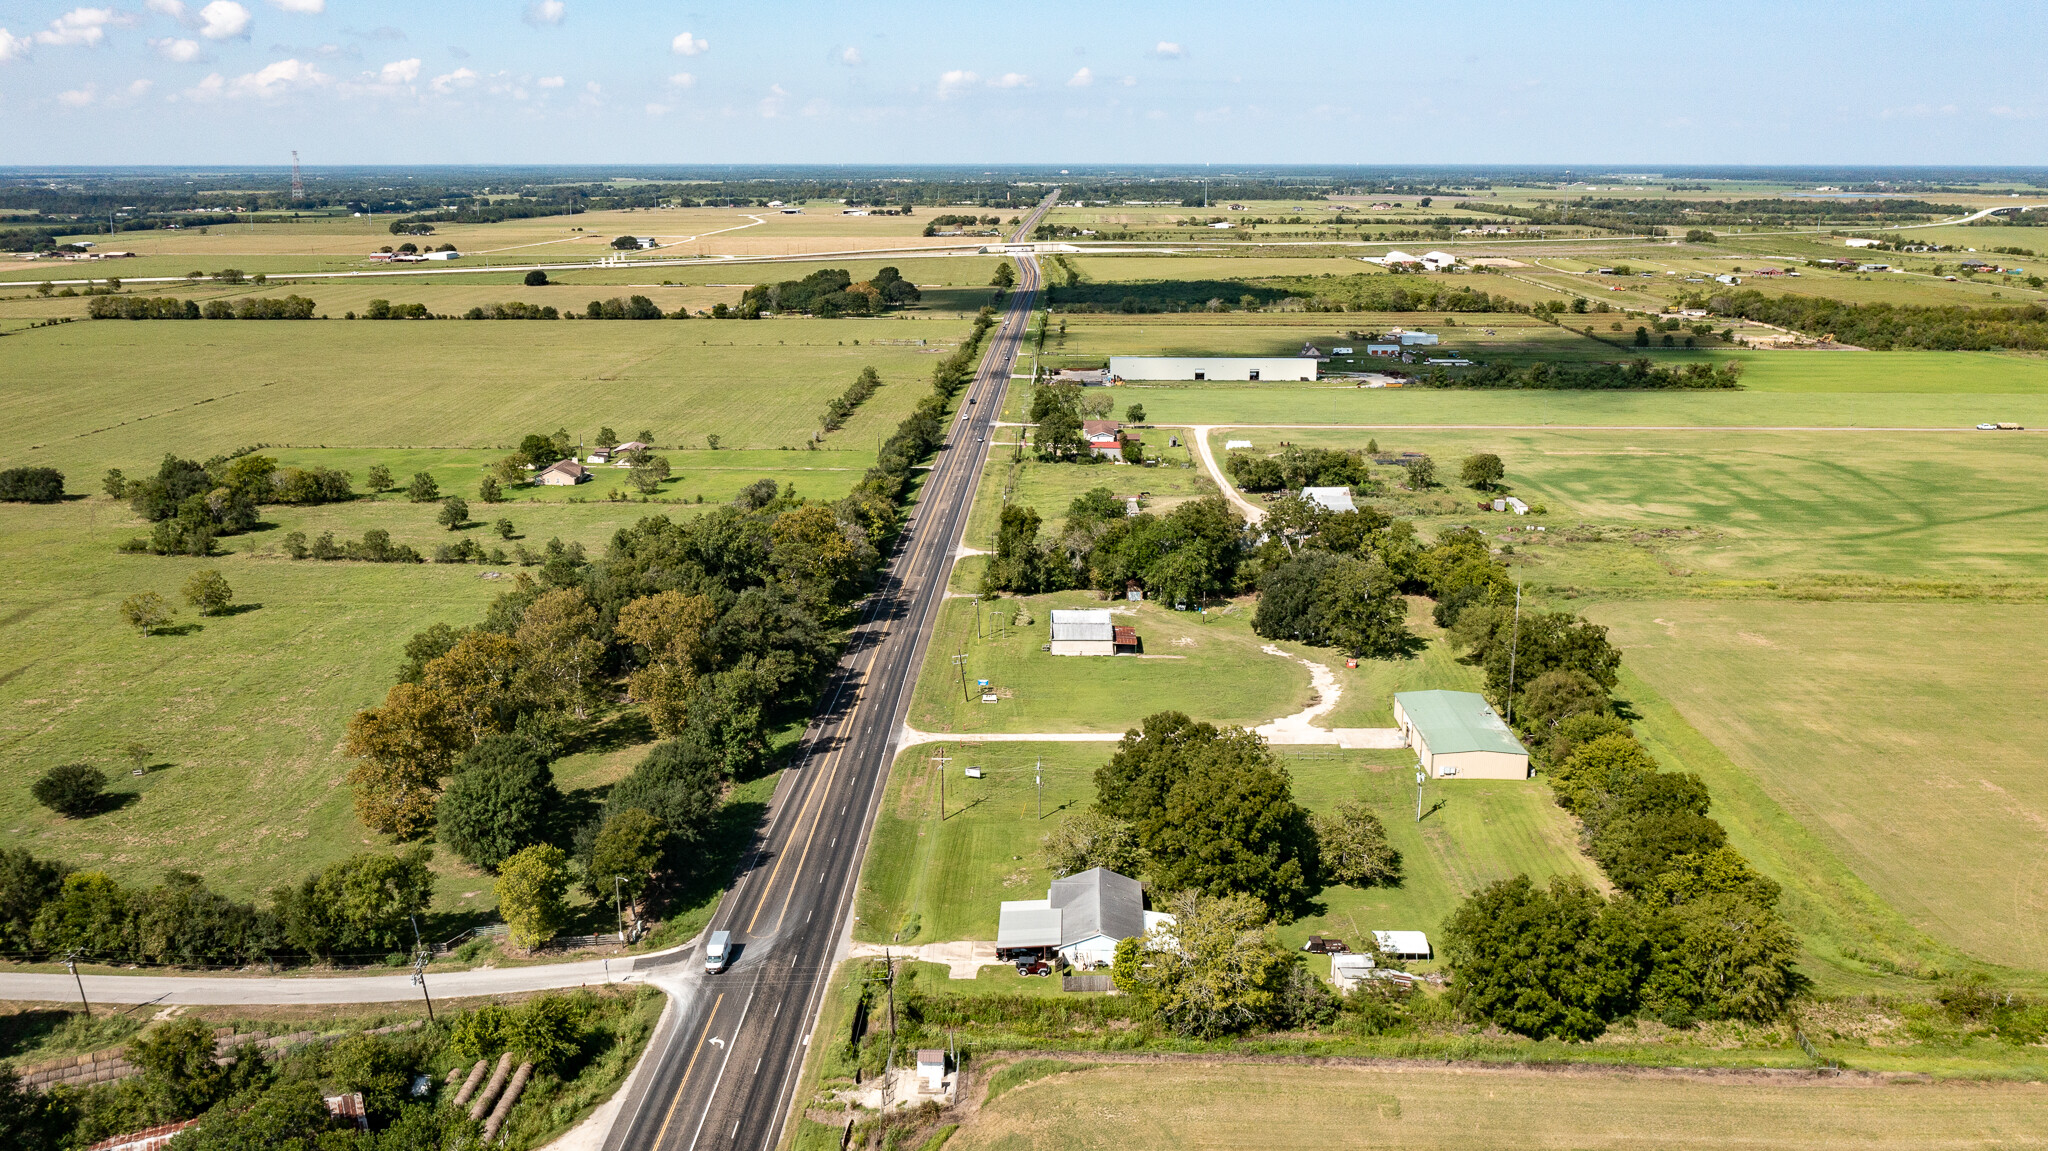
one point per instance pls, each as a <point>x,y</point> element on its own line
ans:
<point>1213,367</point>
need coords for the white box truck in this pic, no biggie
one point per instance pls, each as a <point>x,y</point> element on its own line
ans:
<point>717,952</point>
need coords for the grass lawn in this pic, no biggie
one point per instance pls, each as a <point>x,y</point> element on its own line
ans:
<point>92,395</point>
<point>946,878</point>
<point>1890,733</point>
<point>1184,660</point>
<point>1229,1105</point>
<point>1049,488</point>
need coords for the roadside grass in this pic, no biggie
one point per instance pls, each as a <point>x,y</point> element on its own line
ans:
<point>1895,736</point>
<point>1750,505</point>
<point>1183,662</point>
<point>1229,1105</point>
<point>949,876</point>
<point>92,395</point>
<point>1049,488</point>
<point>1367,691</point>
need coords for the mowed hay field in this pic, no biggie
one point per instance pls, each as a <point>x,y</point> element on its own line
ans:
<point>1455,1108</point>
<point>86,396</point>
<point>1905,735</point>
<point>944,879</point>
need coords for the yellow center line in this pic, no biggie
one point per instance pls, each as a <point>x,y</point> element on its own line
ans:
<point>685,1081</point>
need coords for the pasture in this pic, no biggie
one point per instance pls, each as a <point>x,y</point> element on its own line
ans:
<point>107,393</point>
<point>947,876</point>
<point>1431,1107</point>
<point>1050,488</point>
<point>1890,733</point>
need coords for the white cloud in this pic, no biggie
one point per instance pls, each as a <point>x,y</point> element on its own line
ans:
<point>592,87</point>
<point>278,79</point>
<point>657,109</point>
<point>544,12</point>
<point>1011,80</point>
<point>140,88</point>
<point>78,97</point>
<point>1081,79</point>
<point>223,20</point>
<point>175,9</point>
<point>302,7</point>
<point>956,81</point>
<point>1168,50</point>
<point>450,81</point>
<point>13,47</point>
<point>852,58</point>
<point>687,45</point>
<point>683,80</point>
<point>771,104</point>
<point>550,81</point>
<point>399,72</point>
<point>80,27</point>
<point>176,50</point>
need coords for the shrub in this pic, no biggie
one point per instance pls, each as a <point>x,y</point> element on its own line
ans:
<point>536,278</point>
<point>32,485</point>
<point>70,789</point>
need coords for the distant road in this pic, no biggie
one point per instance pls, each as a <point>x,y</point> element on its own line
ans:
<point>209,989</point>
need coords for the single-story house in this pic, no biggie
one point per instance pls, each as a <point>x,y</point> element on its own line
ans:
<point>1330,499</point>
<point>1105,438</point>
<point>1455,734</point>
<point>1309,351</point>
<point>1082,918</point>
<point>622,456</point>
<point>1404,944</point>
<point>1213,367</point>
<point>562,474</point>
<point>1084,631</point>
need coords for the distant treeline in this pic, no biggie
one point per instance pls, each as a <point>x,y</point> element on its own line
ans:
<point>1630,215</point>
<point>1885,327</point>
<point>1360,293</point>
<point>171,308</point>
<point>1635,375</point>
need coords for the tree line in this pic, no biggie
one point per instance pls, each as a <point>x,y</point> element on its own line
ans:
<point>293,307</point>
<point>841,406</point>
<point>1885,327</point>
<point>831,292</point>
<point>1634,375</point>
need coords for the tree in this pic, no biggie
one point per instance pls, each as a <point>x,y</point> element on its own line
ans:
<point>70,789</point>
<point>536,279</point>
<point>501,798</point>
<point>631,847</point>
<point>1363,610</point>
<point>379,478</point>
<point>671,628</point>
<point>208,591</point>
<point>1543,962</point>
<point>1557,695</point>
<point>1354,846</point>
<point>361,905</point>
<point>1597,768</point>
<point>681,783</point>
<point>32,485</point>
<point>558,632</point>
<point>1005,277</point>
<point>146,611</point>
<point>504,529</point>
<point>177,1065</point>
<point>1642,337</point>
<point>1090,839</point>
<point>29,1119</point>
<point>1483,471</point>
<point>1231,826</point>
<point>454,513</point>
<point>1135,414</point>
<point>288,1117</point>
<point>626,243</point>
<point>480,680</point>
<point>1058,434</point>
<point>1421,474</point>
<point>531,885</point>
<point>423,489</point>
<point>406,746</point>
<point>488,491</point>
<point>607,439</point>
<point>1216,971</point>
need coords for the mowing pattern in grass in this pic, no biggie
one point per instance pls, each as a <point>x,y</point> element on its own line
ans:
<point>1129,1108</point>
<point>1895,732</point>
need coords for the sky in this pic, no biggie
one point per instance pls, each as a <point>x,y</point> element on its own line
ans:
<point>196,82</point>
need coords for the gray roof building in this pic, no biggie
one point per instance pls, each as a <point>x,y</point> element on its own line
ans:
<point>1330,499</point>
<point>1082,624</point>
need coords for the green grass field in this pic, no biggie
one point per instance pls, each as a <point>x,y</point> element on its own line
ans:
<point>1895,733</point>
<point>101,394</point>
<point>949,876</point>
<point>1049,488</point>
<point>1183,661</point>
<point>1232,1105</point>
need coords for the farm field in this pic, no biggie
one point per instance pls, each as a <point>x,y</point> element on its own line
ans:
<point>1889,732</point>
<point>1753,506</point>
<point>948,877</point>
<point>1184,661</point>
<point>201,387</point>
<point>1230,1105</point>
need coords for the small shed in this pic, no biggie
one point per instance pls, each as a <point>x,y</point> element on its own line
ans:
<point>1404,944</point>
<point>1457,734</point>
<point>563,474</point>
<point>1350,969</point>
<point>1083,631</point>
<point>931,1070</point>
<point>1330,499</point>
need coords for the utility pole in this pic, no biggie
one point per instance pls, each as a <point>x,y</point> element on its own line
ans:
<point>942,760</point>
<point>71,964</point>
<point>960,661</point>
<point>419,977</point>
<point>619,907</point>
<point>1419,776</point>
<point>1514,640</point>
<point>1038,780</point>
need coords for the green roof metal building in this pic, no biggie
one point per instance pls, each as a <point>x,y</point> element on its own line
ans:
<point>1457,735</point>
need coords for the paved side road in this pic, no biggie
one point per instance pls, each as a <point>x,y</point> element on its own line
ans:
<point>218,989</point>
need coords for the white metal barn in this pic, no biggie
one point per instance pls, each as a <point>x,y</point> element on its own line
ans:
<point>1213,367</point>
<point>1083,631</point>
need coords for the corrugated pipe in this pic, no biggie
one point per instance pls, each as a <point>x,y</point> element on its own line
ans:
<point>469,1085</point>
<point>483,1101</point>
<point>505,1103</point>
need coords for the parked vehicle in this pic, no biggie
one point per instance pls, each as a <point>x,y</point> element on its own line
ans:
<point>1034,967</point>
<point>717,952</point>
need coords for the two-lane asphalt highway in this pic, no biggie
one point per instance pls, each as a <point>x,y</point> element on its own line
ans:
<point>729,1060</point>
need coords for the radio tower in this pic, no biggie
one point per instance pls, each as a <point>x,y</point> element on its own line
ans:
<point>298,185</point>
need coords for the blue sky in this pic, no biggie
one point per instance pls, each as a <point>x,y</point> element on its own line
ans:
<point>584,81</point>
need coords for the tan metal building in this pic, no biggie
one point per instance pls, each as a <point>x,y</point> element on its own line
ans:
<point>1456,735</point>
<point>1083,632</point>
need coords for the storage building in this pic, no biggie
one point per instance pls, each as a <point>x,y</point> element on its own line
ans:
<point>1083,631</point>
<point>1404,944</point>
<point>1213,367</point>
<point>1330,499</point>
<point>1456,735</point>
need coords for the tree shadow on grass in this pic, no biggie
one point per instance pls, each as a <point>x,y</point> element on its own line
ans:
<point>715,859</point>
<point>1626,710</point>
<point>177,629</point>
<point>239,609</point>
<point>622,728</point>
